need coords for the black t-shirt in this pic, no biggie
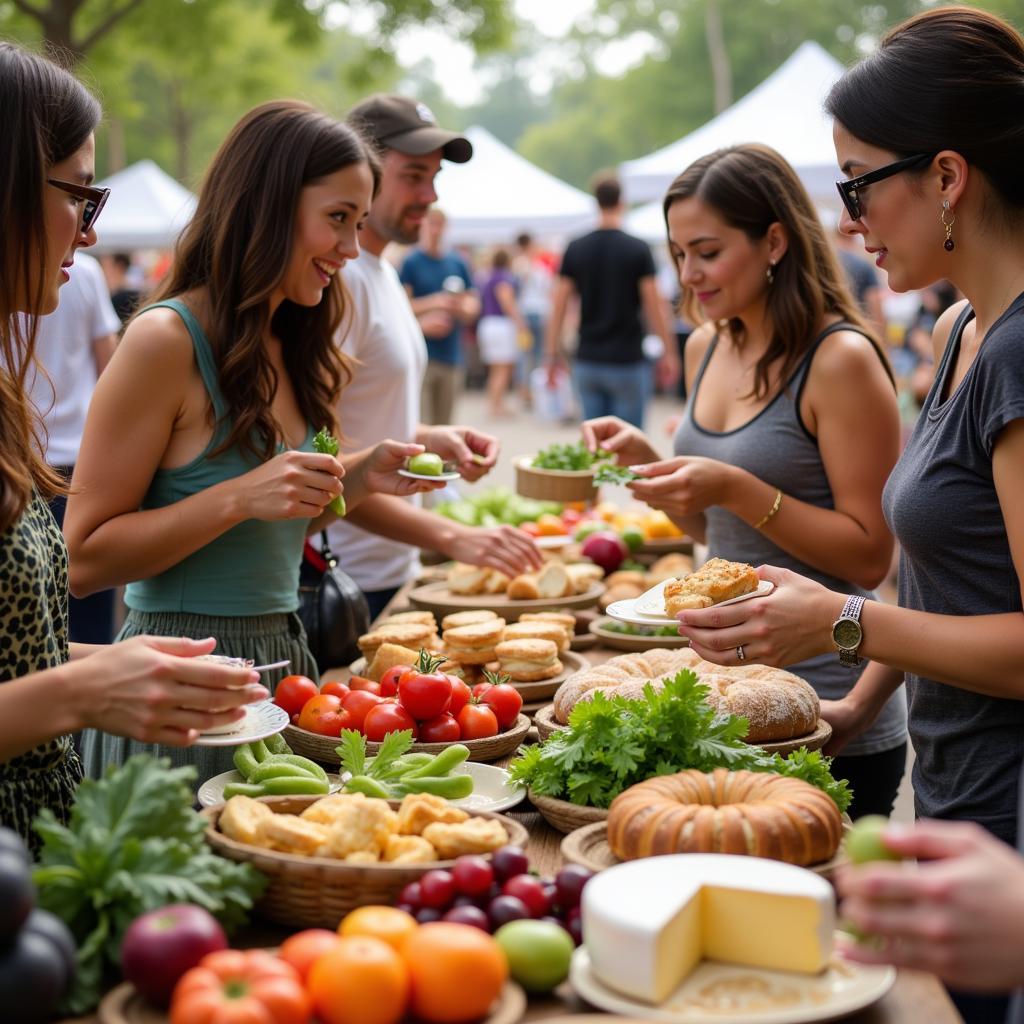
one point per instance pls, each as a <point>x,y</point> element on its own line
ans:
<point>606,267</point>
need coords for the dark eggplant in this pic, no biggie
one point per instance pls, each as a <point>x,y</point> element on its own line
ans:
<point>33,977</point>
<point>17,894</point>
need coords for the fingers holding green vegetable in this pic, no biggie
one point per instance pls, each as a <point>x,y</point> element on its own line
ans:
<point>292,485</point>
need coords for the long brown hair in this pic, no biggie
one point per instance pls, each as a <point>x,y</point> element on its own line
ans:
<point>752,187</point>
<point>237,247</point>
<point>48,115</point>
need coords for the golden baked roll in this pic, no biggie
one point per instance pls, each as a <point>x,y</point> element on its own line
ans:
<point>715,581</point>
<point>528,661</point>
<point>553,581</point>
<point>523,587</point>
<point>759,814</point>
<point>467,579</point>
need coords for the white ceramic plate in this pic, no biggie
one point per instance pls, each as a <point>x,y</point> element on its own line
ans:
<point>212,790</point>
<point>428,476</point>
<point>729,994</point>
<point>647,614</point>
<point>558,540</point>
<point>261,720</point>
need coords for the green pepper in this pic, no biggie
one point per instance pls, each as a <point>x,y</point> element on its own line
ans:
<point>327,444</point>
<point>451,787</point>
<point>244,760</point>
<point>403,765</point>
<point>368,787</point>
<point>286,785</point>
<point>259,750</point>
<point>276,744</point>
<point>244,789</point>
<point>298,761</point>
<point>449,759</point>
<point>277,769</point>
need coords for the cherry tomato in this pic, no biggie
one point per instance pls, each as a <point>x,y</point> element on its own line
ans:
<point>477,721</point>
<point>460,695</point>
<point>293,692</point>
<point>505,701</point>
<point>360,683</point>
<point>571,518</point>
<point>530,529</point>
<point>389,681</point>
<point>442,729</point>
<point>387,717</point>
<point>324,714</point>
<point>425,694</point>
<point>480,689</point>
<point>336,688</point>
<point>357,704</point>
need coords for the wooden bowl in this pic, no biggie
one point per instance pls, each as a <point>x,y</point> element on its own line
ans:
<point>547,724</point>
<point>437,598</point>
<point>633,642</point>
<point>564,815</point>
<point>554,484</point>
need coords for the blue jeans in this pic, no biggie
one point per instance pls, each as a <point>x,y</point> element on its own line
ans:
<point>614,389</point>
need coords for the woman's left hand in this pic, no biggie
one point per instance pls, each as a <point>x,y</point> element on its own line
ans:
<point>789,625</point>
<point>682,486</point>
<point>380,470</point>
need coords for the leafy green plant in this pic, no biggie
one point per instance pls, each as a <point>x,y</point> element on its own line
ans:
<point>614,742</point>
<point>133,843</point>
<point>608,473</point>
<point>574,456</point>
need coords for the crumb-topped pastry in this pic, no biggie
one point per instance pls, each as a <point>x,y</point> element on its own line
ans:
<point>715,581</point>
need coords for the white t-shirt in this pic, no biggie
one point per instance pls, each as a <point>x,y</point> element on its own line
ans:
<point>382,401</point>
<point>64,347</point>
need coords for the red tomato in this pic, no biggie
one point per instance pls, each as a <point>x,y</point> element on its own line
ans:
<point>530,529</point>
<point>460,695</point>
<point>357,704</point>
<point>336,688</point>
<point>571,518</point>
<point>443,729</point>
<point>293,692</point>
<point>480,689</point>
<point>324,714</point>
<point>360,683</point>
<point>505,701</point>
<point>387,717</point>
<point>477,721</point>
<point>389,681</point>
<point>425,694</point>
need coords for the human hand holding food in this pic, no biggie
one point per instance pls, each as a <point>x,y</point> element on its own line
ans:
<point>473,452</point>
<point>378,471</point>
<point>626,442</point>
<point>157,690</point>
<point>292,485</point>
<point>683,486</point>
<point>958,914</point>
<point>505,548</point>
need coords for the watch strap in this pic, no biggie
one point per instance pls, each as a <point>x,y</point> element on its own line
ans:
<point>851,610</point>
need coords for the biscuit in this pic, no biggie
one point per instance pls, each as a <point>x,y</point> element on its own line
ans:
<point>291,834</point>
<point>409,850</point>
<point>533,630</point>
<point>360,825</point>
<point>474,644</point>
<point>457,619</point>
<point>407,634</point>
<point>418,810</point>
<point>241,819</point>
<point>402,618</point>
<point>527,661</point>
<point>477,835</point>
<point>715,581</point>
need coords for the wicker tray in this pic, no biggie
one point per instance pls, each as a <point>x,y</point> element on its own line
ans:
<point>588,845</point>
<point>437,598</point>
<point>123,1005</point>
<point>321,748</point>
<point>316,892</point>
<point>563,815</point>
<point>625,642</point>
<point>553,484</point>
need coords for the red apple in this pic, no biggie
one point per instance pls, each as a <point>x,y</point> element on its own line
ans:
<point>605,549</point>
<point>161,945</point>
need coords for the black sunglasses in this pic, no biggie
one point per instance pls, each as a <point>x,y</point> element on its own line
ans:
<point>848,189</point>
<point>95,199</point>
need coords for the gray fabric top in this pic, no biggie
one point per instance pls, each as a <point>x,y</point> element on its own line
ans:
<point>776,447</point>
<point>941,504</point>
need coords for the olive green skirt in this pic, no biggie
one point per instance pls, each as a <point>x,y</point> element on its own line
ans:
<point>264,638</point>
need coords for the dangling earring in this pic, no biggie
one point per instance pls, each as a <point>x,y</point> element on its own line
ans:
<point>770,273</point>
<point>949,245</point>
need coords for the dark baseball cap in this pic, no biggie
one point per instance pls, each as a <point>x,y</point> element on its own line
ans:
<point>398,122</point>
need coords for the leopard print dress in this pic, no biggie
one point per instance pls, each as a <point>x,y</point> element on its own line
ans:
<point>33,636</point>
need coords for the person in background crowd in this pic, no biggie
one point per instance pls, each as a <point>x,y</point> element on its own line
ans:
<point>151,687</point>
<point>443,298</point>
<point>377,544</point>
<point>123,296</point>
<point>863,281</point>
<point>502,333</point>
<point>73,345</point>
<point>780,374</point>
<point>534,271</point>
<point>613,274</point>
<point>928,130</point>
<point>202,506</point>
<point>920,360</point>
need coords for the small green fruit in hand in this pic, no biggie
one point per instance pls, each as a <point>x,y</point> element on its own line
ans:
<point>538,953</point>
<point>326,443</point>
<point>426,464</point>
<point>864,841</point>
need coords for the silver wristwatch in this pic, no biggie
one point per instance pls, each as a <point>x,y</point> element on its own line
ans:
<point>847,632</point>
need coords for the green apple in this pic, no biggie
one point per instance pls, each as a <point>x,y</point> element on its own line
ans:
<point>538,953</point>
<point>633,537</point>
<point>426,464</point>
<point>587,527</point>
<point>864,841</point>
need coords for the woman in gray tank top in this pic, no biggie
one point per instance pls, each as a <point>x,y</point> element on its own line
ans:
<point>791,424</point>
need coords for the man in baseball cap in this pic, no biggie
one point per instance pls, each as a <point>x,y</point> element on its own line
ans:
<point>401,123</point>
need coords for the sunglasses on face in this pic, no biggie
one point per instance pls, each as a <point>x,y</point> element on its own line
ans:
<point>94,199</point>
<point>848,190</point>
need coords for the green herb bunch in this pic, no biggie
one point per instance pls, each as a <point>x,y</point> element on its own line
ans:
<point>133,844</point>
<point>326,443</point>
<point>615,742</point>
<point>608,473</point>
<point>568,456</point>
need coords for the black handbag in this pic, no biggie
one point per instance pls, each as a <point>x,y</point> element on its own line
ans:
<point>332,608</point>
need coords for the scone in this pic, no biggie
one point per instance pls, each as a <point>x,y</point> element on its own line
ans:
<point>534,630</point>
<point>528,661</point>
<point>387,656</point>
<point>715,581</point>
<point>474,644</point>
<point>402,618</point>
<point>407,634</point>
<point>564,619</point>
<point>457,619</point>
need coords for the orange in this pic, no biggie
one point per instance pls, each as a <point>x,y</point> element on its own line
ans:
<point>361,981</point>
<point>551,526</point>
<point>389,924</point>
<point>457,972</point>
<point>303,949</point>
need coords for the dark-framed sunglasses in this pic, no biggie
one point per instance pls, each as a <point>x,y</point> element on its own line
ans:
<point>95,199</point>
<point>848,189</point>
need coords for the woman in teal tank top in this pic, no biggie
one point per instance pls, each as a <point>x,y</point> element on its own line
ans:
<point>197,482</point>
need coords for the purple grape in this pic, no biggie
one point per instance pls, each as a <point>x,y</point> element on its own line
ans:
<point>410,895</point>
<point>506,908</point>
<point>425,915</point>
<point>509,861</point>
<point>569,882</point>
<point>468,915</point>
<point>575,929</point>
<point>465,901</point>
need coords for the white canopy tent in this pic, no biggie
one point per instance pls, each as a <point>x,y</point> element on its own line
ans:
<point>785,111</point>
<point>146,210</point>
<point>500,194</point>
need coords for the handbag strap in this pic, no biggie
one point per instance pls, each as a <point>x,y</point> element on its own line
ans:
<point>325,550</point>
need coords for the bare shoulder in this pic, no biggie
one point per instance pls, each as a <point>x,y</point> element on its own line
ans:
<point>697,345</point>
<point>944,328</point>
<point>846,355</point>
<point>159,338</point>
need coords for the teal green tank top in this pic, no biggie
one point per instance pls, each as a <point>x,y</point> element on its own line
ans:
<point>253,568</point>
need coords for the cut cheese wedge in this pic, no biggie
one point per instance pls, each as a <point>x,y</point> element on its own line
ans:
<point>648,923</point>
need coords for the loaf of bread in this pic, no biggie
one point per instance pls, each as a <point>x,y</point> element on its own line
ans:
<point>755,813</point>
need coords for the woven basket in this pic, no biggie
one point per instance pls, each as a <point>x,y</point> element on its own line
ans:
<point>554,484</point>
<point>547,724</point>
<point>317,892</point>
<point>493,748</point>
<point>563,815</point>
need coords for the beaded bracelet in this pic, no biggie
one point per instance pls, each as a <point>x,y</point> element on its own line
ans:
<point>775,508</point>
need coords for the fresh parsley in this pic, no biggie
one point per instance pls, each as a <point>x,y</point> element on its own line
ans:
<point>609,473</point>
<point>614,742</point>
<point>568,457</point>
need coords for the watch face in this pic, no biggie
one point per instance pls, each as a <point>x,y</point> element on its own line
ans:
<point>847,634</point>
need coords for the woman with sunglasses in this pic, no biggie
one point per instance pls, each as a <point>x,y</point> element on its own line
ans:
<point>930,134</point>
<point>151,688</point>
<point>783,372</point>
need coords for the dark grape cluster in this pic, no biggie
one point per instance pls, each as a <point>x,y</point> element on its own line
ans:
<point>489,893</point>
